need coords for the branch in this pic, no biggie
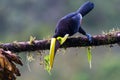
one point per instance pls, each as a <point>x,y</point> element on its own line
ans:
<point>98,40</point>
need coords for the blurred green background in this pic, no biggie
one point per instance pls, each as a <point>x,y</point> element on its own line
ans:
<point>19,19</point>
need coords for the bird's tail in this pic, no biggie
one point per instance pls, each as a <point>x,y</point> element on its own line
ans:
<point>85,8</point>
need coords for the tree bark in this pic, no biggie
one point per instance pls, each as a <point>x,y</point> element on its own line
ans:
<point>98,40</point>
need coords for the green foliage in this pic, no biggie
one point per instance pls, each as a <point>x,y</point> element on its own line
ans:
<point>89,55</point>
<point>47,64</point>
<point>32,39</point>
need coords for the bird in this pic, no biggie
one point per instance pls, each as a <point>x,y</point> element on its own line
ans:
<point>68,26</point>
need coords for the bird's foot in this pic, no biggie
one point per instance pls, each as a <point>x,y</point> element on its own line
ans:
<point>89,37</point>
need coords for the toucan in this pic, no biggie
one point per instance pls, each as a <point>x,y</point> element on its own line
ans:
<point>68,26</point>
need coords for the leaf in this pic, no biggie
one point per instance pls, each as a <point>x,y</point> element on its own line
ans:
<point>89,55</point>
<point>4,63</point>
<point>15,70</point>
<point>8,69</point>
<point>47,64</point>
<point>13,57</point>
<point>32,39</point>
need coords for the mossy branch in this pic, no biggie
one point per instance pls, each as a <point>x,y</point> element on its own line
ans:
<point>98,40</point>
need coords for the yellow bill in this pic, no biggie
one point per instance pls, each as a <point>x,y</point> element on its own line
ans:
<point>52,52</point>
<point>49,59</point>
<point>62,39</point>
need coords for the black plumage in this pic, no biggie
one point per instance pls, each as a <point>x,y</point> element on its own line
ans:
<point>68,25</point>
<point>71,23</point>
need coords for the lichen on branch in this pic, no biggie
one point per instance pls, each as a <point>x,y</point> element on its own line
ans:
<point>98,40</point>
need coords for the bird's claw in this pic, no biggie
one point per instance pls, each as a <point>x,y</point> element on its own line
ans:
<point>89,38</point>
